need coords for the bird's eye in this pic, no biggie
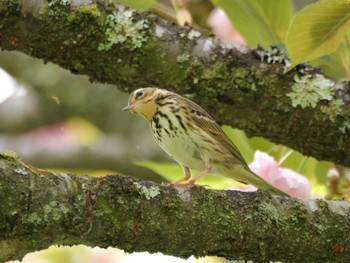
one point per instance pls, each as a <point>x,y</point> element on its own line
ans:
<point>139,94</point>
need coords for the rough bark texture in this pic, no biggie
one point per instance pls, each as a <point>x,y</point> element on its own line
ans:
<point>237,86</point>
<point>301,109</point>
<point>40,208</point>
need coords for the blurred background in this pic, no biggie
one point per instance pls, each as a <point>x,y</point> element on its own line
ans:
<point>54,119</point>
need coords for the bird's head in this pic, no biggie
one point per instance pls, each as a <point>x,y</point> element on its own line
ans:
<point>143,101</point>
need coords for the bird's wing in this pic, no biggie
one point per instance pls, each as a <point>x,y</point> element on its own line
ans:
<point>202,119</point>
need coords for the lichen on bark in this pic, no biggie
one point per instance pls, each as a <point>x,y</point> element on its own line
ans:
<point>40,208</point>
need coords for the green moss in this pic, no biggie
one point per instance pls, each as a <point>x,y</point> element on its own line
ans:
<point>54,211</point>
<point>35,8</point>
<point>13,4</point>
<point>88,11</point>
<point>34,218</point>
<point>122,29</point>
<point>332,109</point>
<point>268,210</point>
<point>9,154</point>
<point>327,224</point>
<point>308,91</point>
<point>12,156</point>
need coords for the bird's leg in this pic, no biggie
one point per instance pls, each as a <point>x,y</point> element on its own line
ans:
<point>204,172</point>
<point>187,175</point>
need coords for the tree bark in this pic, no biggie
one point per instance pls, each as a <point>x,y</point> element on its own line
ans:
<point>241,87</point>
<point>40,208</point>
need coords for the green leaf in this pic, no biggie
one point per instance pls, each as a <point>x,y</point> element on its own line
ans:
<point>336,64</point>
<point>138,4</point>
<point>317,30</point>
<point>259,22</point>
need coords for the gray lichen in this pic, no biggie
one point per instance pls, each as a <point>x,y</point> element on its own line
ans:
<point>148,192</point>
<point>308,90</point>
<point>122,28</point>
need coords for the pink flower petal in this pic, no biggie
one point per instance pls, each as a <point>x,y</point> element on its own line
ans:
<point>285,179</point>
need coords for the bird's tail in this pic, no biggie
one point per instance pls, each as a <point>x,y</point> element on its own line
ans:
<point>245,175</point>
<point>264,185</point>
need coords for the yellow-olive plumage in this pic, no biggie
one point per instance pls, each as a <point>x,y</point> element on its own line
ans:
<point>191,136</point>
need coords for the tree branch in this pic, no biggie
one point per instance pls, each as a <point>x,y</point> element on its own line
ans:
<point>237,86</point>
<point>40,208</point>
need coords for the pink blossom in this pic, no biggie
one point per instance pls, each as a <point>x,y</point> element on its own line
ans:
<point>223,28</point>
<point>285,179</point>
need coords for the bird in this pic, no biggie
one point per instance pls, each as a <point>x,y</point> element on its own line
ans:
<point>189,135</point>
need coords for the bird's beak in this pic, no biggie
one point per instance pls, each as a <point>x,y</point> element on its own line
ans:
<point>129,107</point>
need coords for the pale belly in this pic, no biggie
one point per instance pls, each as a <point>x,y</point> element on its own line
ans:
<point>184,151</point>
<point>181,148</point>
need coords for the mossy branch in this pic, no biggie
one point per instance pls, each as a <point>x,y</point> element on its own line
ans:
<point>40,208</point>
<point>241,87</point>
